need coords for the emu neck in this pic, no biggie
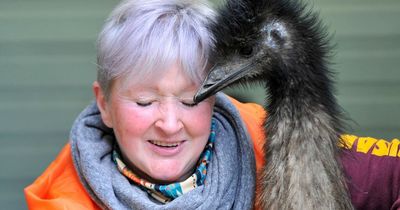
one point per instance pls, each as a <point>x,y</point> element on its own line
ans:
<point>301,89</point>
<point>303,130</point>
<point>304,117</point>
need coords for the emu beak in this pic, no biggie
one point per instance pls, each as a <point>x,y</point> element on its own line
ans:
<point>219,77</point>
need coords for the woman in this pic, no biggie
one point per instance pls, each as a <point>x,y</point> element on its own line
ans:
<point>144,144</point>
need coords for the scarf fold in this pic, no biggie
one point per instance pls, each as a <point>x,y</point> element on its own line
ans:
<point>230,181</point>
<point>166,193</point>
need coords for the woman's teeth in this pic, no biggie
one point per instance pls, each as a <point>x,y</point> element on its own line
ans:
<point>165,144</point>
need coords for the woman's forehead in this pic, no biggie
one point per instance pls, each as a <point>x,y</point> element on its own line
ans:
<point>158,72</point>
<point>168,81</point>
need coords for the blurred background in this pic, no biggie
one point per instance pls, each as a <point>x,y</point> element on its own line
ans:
<point>47,66</point>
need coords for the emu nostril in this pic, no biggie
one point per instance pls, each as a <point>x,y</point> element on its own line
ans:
<point>207,85</point>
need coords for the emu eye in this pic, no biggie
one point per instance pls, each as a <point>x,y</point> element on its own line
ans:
<point>246,51</point>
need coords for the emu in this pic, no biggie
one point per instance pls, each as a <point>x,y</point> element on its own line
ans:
<point>283,45</point>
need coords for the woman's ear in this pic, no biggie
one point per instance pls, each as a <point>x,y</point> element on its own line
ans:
<point>102,104</point>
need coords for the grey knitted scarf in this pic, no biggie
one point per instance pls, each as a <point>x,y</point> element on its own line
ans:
<point>230,181</point>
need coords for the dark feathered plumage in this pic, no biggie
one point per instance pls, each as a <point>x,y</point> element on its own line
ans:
<point>282,44</point>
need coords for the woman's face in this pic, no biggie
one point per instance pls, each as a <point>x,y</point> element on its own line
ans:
<point>161,133</point>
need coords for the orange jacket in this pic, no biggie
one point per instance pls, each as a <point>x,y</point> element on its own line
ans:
<point>59,186</point>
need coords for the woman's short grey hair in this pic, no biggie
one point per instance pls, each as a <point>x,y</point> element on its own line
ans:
<point>143,37</point>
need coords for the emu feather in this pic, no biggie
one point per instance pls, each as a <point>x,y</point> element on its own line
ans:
<point>283,45</point>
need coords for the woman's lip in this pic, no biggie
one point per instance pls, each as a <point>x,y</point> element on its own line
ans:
<point>171,148</point>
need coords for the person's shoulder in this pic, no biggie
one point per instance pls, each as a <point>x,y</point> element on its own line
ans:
<point>372,167</point>
<point>252,109</point>
<point>58,187</point>
<point>253,116</point>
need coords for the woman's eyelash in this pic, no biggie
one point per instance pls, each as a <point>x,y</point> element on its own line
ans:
<point>190,104</point>
<point>143,103</point>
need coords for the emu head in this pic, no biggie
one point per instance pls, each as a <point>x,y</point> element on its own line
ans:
<point>263,40</point>
<point>247,38</point>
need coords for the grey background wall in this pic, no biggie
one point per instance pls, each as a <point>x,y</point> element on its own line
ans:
<point>47,65</point>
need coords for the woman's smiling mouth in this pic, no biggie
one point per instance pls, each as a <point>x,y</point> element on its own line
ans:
<point>166,144</point>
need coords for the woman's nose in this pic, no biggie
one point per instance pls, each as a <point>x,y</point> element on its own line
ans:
<point>169,120</point>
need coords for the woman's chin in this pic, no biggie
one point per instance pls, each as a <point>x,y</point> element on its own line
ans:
<point>166,175</point>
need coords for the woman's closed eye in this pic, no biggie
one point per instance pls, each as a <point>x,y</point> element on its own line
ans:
<point>189,103</point>
<point>144,103</point>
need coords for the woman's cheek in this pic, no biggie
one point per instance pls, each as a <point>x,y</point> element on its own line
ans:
<point>200,118</point>
<point>136,119</point>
